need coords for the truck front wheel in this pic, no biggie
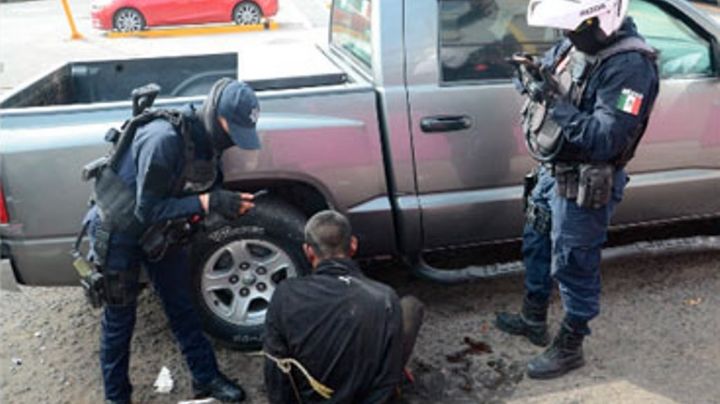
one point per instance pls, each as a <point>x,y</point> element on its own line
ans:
<point>238,265</point>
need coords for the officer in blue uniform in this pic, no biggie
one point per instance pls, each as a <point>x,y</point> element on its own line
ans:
<point>165,176</point>
<point>600,121</point>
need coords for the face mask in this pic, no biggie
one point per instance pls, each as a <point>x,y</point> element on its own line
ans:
<point>220,139</point>
<point>588,38</point>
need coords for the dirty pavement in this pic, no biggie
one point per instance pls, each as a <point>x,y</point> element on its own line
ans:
<point>655,341</point>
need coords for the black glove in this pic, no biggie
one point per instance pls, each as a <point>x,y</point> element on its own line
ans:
<point>225,203</point>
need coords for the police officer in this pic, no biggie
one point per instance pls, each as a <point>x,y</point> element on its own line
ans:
<point>171,169</point>
<point>599,116</point>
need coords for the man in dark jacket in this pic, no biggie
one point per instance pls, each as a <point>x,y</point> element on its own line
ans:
<point>165,179</point>
<point>601,118</point>
<point>350,333</point>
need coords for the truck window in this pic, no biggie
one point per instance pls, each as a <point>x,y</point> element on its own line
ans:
<point>350,28</point>
<point>476,36</point>
<point>682,51</point>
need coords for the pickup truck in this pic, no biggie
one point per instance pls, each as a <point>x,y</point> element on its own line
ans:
<point>406,120</point>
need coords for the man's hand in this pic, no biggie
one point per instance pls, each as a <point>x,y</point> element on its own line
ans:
<point>227,203</point>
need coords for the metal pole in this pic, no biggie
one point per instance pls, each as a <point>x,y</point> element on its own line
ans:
<point>71,22</point>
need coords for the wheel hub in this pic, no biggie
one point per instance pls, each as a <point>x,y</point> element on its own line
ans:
<point>240,277</point>
<point>249,279</point>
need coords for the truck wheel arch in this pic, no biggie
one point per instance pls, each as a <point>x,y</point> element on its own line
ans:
<point>307,198</point>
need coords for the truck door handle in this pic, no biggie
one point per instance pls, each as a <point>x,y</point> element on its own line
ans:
<point>445,123</point>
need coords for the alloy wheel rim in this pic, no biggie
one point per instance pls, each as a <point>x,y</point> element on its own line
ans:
<point>129,21</point>
<point>247,14</point>
<point>239,279</point>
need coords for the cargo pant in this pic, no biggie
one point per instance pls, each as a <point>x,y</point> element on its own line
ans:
<point>171,280</point>
<point>568,250</point>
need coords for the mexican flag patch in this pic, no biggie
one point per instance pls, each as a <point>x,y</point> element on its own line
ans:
<point>630,101</point>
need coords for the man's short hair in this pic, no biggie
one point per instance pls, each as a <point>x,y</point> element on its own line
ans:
<point>329,234</point>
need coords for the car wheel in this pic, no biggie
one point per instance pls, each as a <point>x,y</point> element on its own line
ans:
<point>247,13</point>
<point>238,265</point>
<point>128,20</point>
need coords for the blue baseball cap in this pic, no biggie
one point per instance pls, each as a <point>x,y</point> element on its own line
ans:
<point>239,106</point>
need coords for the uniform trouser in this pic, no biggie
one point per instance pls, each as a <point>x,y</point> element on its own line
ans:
<point>568,251</point>
<point>171,280</point>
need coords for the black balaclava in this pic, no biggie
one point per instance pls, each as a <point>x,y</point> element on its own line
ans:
<point>589,37</point>
<point>208,114</point>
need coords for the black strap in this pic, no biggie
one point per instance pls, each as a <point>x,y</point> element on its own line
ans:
<point>79,239</point>
<point>100,245</point>
<point>189,153</point>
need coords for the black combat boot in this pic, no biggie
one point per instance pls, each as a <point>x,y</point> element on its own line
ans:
<point>220,388</point>
<point>530,322</point>
<point>564,355</point>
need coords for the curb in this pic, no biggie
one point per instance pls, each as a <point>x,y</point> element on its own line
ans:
<point>190,31</point>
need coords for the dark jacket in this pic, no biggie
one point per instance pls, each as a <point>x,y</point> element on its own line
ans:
<point>343,327</point>
<point>598,129</point>
<point>154,165</point>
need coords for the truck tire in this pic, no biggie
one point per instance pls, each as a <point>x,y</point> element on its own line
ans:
<point>237,265</point>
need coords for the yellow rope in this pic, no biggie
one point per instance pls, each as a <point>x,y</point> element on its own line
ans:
<point>286,364</point>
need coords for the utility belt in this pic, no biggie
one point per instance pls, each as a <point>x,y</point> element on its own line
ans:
<point>120,287</point>
<point>103,287</point>
<point>589,184</point>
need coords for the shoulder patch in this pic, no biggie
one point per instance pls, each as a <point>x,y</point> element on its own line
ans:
<point>629,101</point>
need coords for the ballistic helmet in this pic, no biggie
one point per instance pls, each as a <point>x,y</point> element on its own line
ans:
<point>589,24</point>
<point>572,14</point>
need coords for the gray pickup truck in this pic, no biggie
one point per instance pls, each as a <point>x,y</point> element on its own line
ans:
<point>406,121</point>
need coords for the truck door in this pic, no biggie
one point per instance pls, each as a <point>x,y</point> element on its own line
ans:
<point>469,152</point>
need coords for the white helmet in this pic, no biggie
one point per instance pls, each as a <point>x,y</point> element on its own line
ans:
<point>571,14</point>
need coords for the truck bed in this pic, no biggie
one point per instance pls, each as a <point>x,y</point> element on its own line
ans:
<point>179,76</point>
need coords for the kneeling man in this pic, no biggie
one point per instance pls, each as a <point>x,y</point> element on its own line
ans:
<point>350,334</point>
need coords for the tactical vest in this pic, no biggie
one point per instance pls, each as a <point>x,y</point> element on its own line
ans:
<point>115,199</point>
<point>572,72</point>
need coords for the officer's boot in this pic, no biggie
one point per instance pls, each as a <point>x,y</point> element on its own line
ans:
<point>530,322</point>
<point>220,388</point>
<point>564,355</point>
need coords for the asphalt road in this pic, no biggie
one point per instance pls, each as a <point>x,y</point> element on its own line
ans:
<point>655,342</point>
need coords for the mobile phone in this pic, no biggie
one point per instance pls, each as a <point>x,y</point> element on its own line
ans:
<point>260,193</point>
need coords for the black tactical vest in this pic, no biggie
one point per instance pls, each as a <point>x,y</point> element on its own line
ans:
<point>572,71</point>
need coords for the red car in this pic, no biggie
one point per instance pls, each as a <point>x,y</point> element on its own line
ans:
<point>135,15</point>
